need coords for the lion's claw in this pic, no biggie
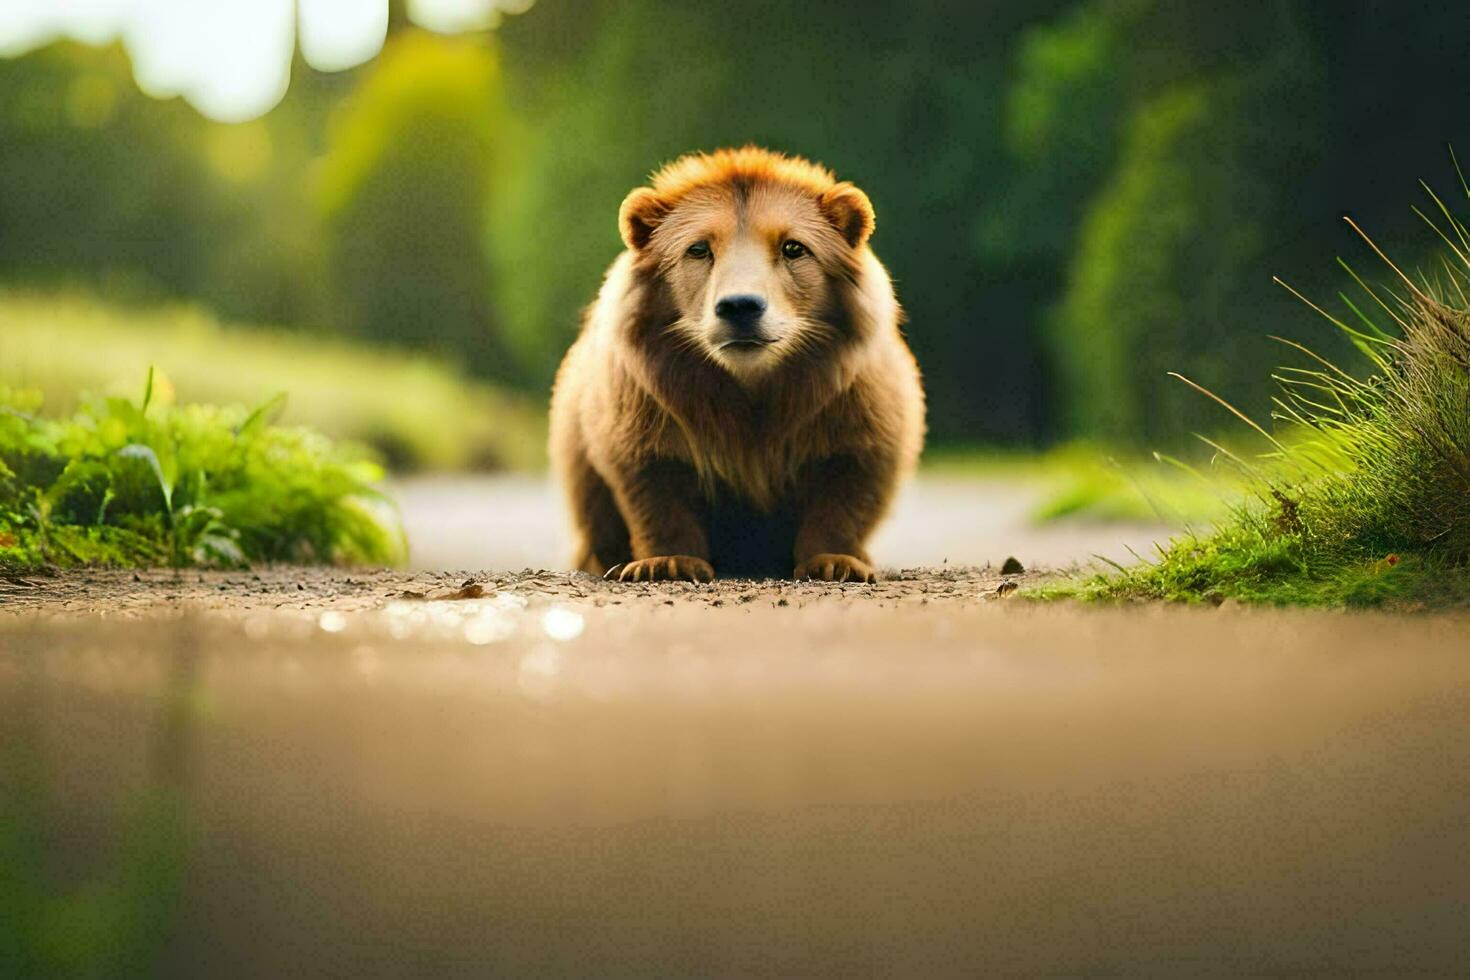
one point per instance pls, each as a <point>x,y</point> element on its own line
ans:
<point>664,568</point>
<point>835,568</point>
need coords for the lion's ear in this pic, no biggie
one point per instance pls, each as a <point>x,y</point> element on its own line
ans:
<point>850,212</point>
<point>640,214</point>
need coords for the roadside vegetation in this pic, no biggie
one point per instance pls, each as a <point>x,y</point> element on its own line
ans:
<point>1365,497</point>
<point>1090,482</point>
<point>148,483</point>
<point>415,412</point>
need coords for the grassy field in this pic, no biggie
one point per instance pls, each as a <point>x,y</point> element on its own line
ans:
<point>418,414</point>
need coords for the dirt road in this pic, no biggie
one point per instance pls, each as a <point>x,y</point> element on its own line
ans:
<point>539,784</point>
<point>945,542</point>
<point>285,772</point>
<point>514,522</point>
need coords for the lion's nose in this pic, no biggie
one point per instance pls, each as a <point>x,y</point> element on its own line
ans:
<point>742,312</point>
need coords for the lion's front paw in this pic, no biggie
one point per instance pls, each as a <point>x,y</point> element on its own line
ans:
<point>836,568</point>
<point>669,568</point>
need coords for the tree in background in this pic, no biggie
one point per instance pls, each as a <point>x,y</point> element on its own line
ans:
<point>104,188</point>
<point>403,191</point>
<point>1172,262</point>
<point>1074,196</point>
<point>1176,157</point>
<point>905,102</point>
<point>98,183</point>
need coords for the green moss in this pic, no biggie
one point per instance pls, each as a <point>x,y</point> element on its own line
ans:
<point>1212,571</point>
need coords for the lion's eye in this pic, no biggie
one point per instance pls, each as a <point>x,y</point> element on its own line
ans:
<point>793,249</point>
<point>699,250</point>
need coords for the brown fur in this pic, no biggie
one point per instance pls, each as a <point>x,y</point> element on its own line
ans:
<point>683,454</point>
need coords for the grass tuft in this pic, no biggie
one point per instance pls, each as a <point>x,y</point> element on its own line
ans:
<point>1365,500</point>
<point>147,483</point>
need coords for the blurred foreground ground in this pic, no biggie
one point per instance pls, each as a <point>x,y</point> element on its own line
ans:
<point>518,521</point>
<point>536,783</point>
<point>286,772</point>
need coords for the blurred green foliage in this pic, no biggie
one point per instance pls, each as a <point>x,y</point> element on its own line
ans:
<point>1074,196</point>
<point>148,483</point>
<point>1365,503</point>
<point>403,192</point>
<point>96,180</point>
<point>1172,264</point>
<point>416,413</point>
<point>1084,481</point>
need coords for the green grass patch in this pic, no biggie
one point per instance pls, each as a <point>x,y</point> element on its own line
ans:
<point>147,483</point>
<point>1240,563</point>
<point>1364,500</point>
<point>416,412</point>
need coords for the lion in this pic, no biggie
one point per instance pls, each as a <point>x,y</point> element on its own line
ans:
<point>740,400</point>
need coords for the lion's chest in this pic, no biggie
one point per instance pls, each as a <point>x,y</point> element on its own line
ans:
<point>762,472</point>
<point>755,458</point>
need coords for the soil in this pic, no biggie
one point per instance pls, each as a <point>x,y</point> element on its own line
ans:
<point>115,593</point>
<point>562,777</point>
<point>537,773</point>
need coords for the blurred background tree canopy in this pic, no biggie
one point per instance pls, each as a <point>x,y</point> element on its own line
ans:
<point>1074,196</point>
